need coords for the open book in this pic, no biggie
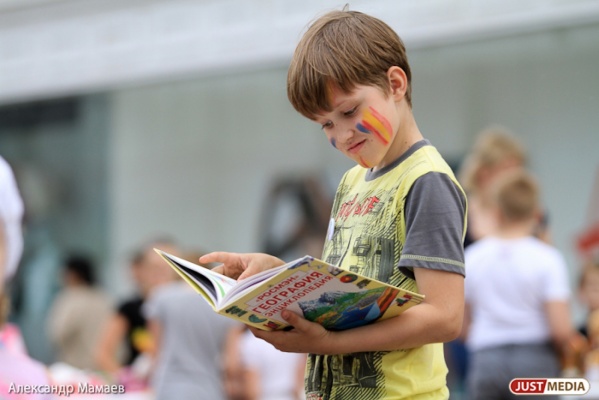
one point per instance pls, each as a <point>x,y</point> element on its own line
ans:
<point>333,297</point>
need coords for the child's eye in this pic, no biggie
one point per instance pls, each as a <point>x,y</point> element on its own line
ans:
<point>350,112</point>
<point>327,125</point>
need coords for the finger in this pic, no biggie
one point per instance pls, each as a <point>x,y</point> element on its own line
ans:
<point>259,333</point>
<point>294,319</point>
<point>255,331</point>
<point>219,257</point>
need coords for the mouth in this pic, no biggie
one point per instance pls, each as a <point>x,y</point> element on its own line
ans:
<point>355,148</point>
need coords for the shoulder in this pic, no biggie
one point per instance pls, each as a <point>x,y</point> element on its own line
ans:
<point>436,192</point>
<point>438,180</point>
<point>543,250</point>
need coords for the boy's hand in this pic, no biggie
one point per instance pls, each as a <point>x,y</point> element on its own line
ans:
<point>240,266</point>
<point>305,337</point>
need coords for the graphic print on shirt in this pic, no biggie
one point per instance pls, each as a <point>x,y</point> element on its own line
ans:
<point>365,240</point>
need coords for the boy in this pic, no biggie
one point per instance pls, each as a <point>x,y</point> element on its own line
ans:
<point>399,216</point>
<point>517,296</point>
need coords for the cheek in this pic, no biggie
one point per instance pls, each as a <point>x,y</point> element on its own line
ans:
<point>333,142</point>
<point>375,123</point>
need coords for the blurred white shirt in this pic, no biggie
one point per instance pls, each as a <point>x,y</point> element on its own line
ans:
<point>11,217</point>
<point>508,282</point>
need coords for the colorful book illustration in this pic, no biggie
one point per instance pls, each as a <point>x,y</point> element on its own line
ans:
<point>333,297</point>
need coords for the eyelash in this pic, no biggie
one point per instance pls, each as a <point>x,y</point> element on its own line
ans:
<point>326,125</point>
<point>349,113</point>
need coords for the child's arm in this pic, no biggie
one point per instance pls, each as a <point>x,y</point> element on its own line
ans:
<point>240,266</point>
<point>560,322</point>
<point>437,319</point>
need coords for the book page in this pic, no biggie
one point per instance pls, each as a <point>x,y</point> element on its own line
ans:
<point>212,284</point>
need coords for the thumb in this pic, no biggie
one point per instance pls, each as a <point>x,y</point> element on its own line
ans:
<point>293,319</point>
<point>243,275</point>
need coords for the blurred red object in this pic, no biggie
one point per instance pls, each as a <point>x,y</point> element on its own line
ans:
<point>587,243</point>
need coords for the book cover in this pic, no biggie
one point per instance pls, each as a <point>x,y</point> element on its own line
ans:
<point>333,297</point>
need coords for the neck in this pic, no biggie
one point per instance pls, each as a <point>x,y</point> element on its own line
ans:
<point>408,133</point>
<point>514,230</point>
<point>406,136</point>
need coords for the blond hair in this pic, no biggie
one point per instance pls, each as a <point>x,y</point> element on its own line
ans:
<point>516,194</point>
<point>343,49</point>
<point>495,146</point>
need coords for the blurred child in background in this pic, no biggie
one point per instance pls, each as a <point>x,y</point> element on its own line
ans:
<point>189,342</point>
<point>126,328</point>
<point>517,317</point>
<point>78,314</point>
<point>495,151</point>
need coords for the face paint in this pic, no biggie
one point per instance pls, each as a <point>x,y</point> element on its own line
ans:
<point>375,123</point>
<point>362,128</point>
<point>363,163</point>
<point>333,142</point>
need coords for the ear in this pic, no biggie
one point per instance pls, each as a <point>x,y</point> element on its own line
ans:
<point>398,82</point>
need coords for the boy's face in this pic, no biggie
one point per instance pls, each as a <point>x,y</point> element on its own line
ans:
<point>362,125</point>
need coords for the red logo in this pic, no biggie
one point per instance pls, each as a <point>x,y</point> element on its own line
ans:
<point>532,386</point>
<point>528,386</point>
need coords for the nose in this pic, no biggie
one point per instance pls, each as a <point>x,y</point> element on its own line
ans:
<point>346,132</point>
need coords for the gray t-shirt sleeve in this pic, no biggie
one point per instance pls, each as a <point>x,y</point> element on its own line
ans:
<point>434,213</point>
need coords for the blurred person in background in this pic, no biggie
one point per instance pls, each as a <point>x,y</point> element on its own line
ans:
<point>582,356</point>
<point>78,314</point>
<point>189,342</point>
<point>268,373</point>
<point>11,247</point>
<point>254,369</point>
<point>17,369</point>
<point>126,328</point>
<point>495,151</point>
<point>517,320</point>
<point>588,289</point>
<point>11,220</point>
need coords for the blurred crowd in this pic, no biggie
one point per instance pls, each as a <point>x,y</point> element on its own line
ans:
<point>160,342</point>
